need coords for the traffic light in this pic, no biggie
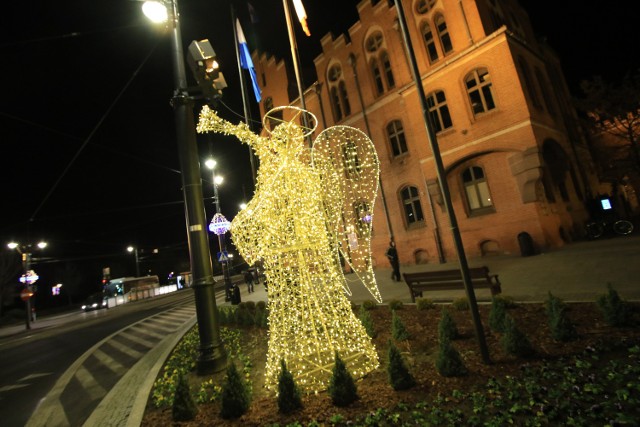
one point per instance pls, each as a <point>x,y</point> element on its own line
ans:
<point>206,70</point>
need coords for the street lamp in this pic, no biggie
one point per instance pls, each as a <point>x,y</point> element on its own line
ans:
<point>135,251</point>
<point>28,277</point>
<point>212,355</point>
<point>219,226</point>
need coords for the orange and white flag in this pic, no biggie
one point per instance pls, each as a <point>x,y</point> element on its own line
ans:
<point>302,16</point>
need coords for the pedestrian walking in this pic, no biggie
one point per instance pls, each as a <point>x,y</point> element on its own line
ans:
<point>392,254</point>
<point>248,278</point>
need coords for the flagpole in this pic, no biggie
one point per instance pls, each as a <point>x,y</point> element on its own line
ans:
<point>294,57</point>
<point>243,88</point>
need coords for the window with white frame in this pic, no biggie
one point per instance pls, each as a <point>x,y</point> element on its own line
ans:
<point>476,190</point>
<point>479,89</point>
<point>412,206</point>
<point>338,93</point>
<point>439,111</point>
<point>397,140</point>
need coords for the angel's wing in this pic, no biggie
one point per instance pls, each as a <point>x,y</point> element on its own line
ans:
<point>347,162</point>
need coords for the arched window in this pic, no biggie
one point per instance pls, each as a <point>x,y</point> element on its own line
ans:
<point>439,111</point>
<point>351,161</point>
<point>411,203</point>
<point>542,82</point>
<point>397,140</point>
<point>379,63</point>
<point>424,6</point>
<point>478,85</point>
<point>338,93</point>
<point>363,214</point>
<point>377,76</point>
<point>443,34</point>
<point>388,73</point>
<point>429,42</point>
<point>476,190</point>
<point>528,83</point>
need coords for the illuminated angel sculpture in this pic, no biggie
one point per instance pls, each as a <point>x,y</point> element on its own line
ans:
<point>310,208</point>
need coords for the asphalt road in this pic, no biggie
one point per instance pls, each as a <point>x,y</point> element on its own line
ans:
<point>49,376</point>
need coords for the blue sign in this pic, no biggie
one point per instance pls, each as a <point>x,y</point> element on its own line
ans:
<point>223,256</point>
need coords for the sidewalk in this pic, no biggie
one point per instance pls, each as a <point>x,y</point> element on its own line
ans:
<point>577,272</point>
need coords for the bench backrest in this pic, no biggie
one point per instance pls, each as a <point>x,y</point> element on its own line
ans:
<point>429,276</point>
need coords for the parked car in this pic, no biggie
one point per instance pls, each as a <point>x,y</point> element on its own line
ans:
<point>94,302</point>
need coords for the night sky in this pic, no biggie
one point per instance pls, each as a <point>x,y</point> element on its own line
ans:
<point>88,137</point>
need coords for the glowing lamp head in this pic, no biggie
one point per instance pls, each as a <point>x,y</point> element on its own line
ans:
<point>155,11</point>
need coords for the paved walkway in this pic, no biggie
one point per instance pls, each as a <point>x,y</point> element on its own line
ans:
<point>577,272</point>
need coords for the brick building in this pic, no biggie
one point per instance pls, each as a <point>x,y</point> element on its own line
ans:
<point>515,160</point>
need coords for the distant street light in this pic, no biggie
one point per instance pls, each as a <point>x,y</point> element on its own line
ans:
<point>135,251</point>
<point>219,226</point>
<point>29,276</point>
<point>212,355</point>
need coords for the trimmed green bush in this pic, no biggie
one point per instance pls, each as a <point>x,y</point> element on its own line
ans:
<point>184,406</point>
<point>342,388</point>
<point>616,312</point>
<point>288,394</point>
<point>235,397</point>
<point>497,314</point>
<point>449,363</point>
<point>261,305</point>
<point>398,330</point>
<point>424,304</point>
<point>367,321</point>
<point>395,304</point>
<point>561,327</point>
<point>514,341</point>
<point>460,304</point>
<point>398,373</point>
<point>369,304</point>
<point>447,329</point>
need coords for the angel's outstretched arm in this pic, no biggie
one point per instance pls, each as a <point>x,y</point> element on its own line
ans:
<point>211,122</point>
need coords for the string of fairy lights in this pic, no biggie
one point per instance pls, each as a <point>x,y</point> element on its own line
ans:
<point>309,206</point>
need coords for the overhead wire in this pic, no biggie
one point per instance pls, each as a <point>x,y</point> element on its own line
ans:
<point>96,127</point>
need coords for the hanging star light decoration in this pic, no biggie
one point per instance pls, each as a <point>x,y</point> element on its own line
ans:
<point>309,207</point>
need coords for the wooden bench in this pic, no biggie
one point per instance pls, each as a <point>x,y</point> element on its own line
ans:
<point>447,280</point>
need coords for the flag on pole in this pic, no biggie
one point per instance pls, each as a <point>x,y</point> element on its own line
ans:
<point>246,62</point>
<point>302,16</point>
<point>253,14</point>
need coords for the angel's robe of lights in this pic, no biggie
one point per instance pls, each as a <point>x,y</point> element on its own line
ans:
<point>302,215</point>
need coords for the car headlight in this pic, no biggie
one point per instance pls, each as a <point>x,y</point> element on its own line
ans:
<point>84,307</point>
<point>94,305</point>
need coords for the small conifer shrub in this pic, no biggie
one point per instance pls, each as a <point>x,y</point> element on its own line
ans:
<point>288,394</point>
<point>497,314</point>
<point>424,304</point>
<point>447,329</point>
<point>367,321</point>
<point>342,388</point>
<point>235,398</point>
<point>514,341</point>
<point>184,405</point>
<point>395,304</point>
<point>616,312</point>
<point>561,327</point>
<point>369,304</point>
<point>460,304</point>
<point>449,363</point>
<point>398,373</point>
<point>398,330</point>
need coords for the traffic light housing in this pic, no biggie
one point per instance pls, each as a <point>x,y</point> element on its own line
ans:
<point>206,70</point>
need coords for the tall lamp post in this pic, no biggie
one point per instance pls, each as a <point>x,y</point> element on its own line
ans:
<point>28,277</point>
<point>219,226</point>
<point>135,252</point>
<point>212,355</point>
